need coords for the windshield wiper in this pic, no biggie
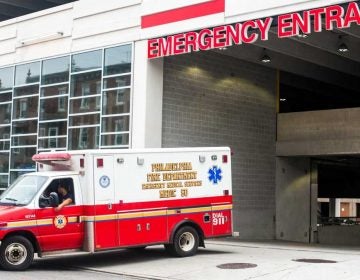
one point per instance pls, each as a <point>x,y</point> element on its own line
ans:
<point>11,199</point>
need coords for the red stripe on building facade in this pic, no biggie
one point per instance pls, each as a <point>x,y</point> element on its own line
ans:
<point>183,13</point>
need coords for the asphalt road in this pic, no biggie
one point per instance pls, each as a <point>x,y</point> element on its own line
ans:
<point>270,260</point>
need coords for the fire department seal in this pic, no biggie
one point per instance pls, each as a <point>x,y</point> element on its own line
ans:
<point>60,222</point>
<point>104,181</point>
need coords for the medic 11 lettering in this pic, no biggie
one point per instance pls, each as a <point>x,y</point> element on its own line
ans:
<point>169,177</point>
<point>248,32</point>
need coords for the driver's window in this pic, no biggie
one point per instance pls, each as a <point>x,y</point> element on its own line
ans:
<point>64,188</point>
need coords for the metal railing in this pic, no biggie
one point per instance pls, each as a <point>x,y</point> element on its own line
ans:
<point>339,221</point>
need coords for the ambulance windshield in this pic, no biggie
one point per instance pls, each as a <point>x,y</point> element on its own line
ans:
<point>23,190</point>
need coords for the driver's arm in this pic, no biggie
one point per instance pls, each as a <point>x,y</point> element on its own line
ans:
<point>66,202</point>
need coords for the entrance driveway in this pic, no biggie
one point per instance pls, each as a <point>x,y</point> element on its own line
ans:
<point>241,260</point>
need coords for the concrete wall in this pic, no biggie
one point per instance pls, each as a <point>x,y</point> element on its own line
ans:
<point>293,199</point>
<point>231,103</point>
<point>327,132</point>
<point>339,235</point>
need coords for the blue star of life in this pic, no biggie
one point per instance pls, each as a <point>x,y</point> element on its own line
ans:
<point>215,174</point>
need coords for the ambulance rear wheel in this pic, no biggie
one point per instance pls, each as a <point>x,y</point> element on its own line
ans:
<point>186,242</point>
<point>16,253</point>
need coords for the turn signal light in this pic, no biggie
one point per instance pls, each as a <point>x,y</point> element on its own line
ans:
<point>82,163</point>
<point>3,225</point>
<point>100,162</point>
<point>226,192</point>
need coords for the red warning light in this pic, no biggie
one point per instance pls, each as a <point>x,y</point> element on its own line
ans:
<point>100,162</point>
<point>82,163</point>
<point>224,158</point>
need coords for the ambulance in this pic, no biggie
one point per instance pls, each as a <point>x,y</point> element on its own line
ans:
<point>120,199</point>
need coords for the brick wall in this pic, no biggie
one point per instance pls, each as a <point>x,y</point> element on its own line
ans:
<point>215,100</point>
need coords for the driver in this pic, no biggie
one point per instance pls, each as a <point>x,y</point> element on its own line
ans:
<point>65,196</point>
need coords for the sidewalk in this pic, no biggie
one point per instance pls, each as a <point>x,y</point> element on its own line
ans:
<point>273,260</point>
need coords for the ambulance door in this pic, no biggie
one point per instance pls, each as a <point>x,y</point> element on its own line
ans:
<point>105,219</point>
<point>61,229</point>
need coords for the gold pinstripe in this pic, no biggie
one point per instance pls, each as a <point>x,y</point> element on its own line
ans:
<point>22,224</point>
<point>105,217</point>
<point>39,222</point>
<point>222,207</point>
<point>120,216</point>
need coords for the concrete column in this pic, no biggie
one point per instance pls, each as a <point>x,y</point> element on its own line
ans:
<point>147,99</point>
<point>332,207</point>
<point>293,196</point>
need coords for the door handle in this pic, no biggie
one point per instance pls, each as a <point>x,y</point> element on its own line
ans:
<point>138,227</point>
<point>110,206</point>
<point>148,226</point>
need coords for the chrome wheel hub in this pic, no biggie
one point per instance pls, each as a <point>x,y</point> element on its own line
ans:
<point>15,253</point>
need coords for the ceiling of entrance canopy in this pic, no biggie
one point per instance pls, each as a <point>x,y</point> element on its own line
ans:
<point>14,8</point>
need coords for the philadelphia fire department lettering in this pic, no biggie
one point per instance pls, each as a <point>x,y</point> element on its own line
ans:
<point>168,177</point>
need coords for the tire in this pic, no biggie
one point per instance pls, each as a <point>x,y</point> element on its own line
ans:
<point>185,244</point>
<point>16,253</point>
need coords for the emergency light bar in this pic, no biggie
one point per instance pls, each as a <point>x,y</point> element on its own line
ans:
<point>47,158</point>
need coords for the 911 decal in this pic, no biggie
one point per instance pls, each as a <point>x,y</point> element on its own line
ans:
<point>218,219</point>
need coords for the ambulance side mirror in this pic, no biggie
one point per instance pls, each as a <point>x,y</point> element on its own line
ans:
<point>54,199</point>
<point>51,201</point>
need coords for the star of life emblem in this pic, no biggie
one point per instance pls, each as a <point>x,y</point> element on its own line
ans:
<point>60,222</point>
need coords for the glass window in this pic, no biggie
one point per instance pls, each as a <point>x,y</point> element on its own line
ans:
<point>27,73</point>
<point>5,97</point>
<point>86,84</point>
<point>24,127</point>
<point>84,138</point>
<point>4,162</point>
<point>117,60</point>
<point>4,145</point>
<point>115,124</point>
<point>54,90</point>
<point>21,158</point>
<point>26,107</point>
<point>55,70</point>
<point>23,140</point>
<point>86,61</point>
<point>84,105</point>
<point>115,139</point>
<point>4,181</point>
<point>5,113</point>
<point>15,174</point>
<point>84,120</point>
<point>53,108</point>
<point>6,78</point>
<point>5,132</point>
<point>116,101</point>
<point>115,82</point>
<point>52,143</point>
<point>48,129</point>
<point>28,90</point>
<point>23,191</point>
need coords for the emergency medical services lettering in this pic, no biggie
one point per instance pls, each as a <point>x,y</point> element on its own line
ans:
<point>168,177</point>
<point>250,31</point>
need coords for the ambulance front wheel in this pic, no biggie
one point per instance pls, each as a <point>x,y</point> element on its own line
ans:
<point>185,244</point>
<point>16,253</point>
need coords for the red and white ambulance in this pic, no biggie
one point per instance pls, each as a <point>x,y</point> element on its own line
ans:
<point>120,199</point>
